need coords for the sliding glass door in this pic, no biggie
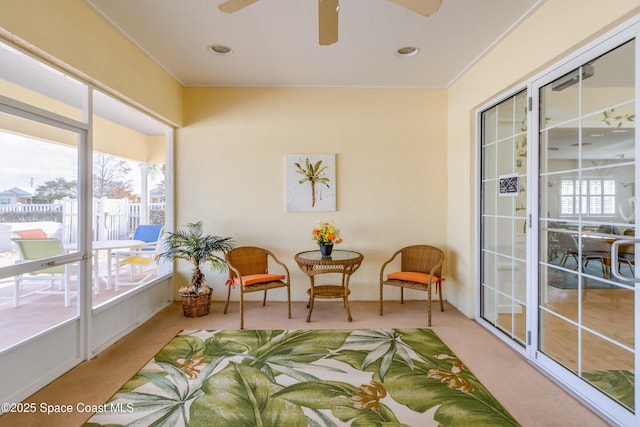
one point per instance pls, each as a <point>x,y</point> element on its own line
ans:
<point>587,192</point>
<point>557,196</point>
<point>503,296</point>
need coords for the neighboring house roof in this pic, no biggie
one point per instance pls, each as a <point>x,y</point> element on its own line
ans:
<point>16,192</point>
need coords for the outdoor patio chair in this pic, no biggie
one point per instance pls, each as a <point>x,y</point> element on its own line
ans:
<point>31,249</point>
<point>140,256</point>
<point>249,269</point>
<point>420,269</point>
<point>35,233</point>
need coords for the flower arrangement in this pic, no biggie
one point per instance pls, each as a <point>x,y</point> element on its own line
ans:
<point>327,234</point>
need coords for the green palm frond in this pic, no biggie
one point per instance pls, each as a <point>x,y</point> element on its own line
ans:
<point>388,345</point>
<point>312,174</point>
<point>169,407</point>
<point>192,245</point>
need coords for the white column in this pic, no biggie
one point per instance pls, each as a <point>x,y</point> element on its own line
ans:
<point>144,193</point>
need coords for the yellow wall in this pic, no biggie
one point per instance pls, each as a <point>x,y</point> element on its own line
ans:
<point>71,32</point>
<point>405,158</point>
<point>121,141</point>
<point>108,137</point>
<point>157,149</point>
<point>555,29</point>
<point>390,160</point>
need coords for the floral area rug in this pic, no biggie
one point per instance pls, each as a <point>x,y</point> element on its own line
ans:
<point>618,384</point>
<point>365,377</point>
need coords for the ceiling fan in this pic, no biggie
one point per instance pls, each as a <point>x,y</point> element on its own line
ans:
<point>328,14</point>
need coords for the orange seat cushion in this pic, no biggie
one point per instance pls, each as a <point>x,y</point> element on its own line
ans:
<point>253,279</point>
<point>413,276</point>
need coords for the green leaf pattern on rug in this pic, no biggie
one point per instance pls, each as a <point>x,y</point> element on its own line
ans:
<point>337,398</point>
<point>241,395</point>
<point>318,378</point>
<point>617,384</point>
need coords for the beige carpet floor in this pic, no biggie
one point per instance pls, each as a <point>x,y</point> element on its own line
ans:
<point>528,395</point>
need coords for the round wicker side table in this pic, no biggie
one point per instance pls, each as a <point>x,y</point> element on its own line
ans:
<point>313,263</point>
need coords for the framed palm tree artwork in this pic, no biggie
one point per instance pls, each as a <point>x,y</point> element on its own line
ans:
<point>311,182</point>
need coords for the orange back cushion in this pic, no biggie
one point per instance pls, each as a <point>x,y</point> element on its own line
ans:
<point>32,234</point>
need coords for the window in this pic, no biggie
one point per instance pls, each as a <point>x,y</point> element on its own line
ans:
<point>46,187</point>
<point>59,279</point>
<point>590,197</point>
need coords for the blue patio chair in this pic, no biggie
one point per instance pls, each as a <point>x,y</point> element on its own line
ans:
<point>148,233</point>
<point>140,256</point>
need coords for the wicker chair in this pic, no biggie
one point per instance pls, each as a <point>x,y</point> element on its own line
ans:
<point>249,269</point>
<point>420,268</point>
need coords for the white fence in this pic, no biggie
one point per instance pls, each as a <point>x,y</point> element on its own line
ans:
<point>34,207</point>
<point>113,219</point>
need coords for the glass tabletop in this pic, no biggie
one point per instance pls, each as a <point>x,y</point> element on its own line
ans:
<point>336,255</point>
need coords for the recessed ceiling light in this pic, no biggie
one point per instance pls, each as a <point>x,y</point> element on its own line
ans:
<point>220,49</point>
<point>407,51</point>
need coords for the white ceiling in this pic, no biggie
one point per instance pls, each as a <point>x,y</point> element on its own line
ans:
<point>275,42</point>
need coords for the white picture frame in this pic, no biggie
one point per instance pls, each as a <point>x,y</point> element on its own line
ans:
<point>311,182</point>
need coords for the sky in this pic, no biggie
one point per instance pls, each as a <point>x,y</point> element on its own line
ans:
<point>27,163</point>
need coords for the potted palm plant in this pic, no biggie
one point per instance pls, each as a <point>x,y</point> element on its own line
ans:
<point>192,245</point>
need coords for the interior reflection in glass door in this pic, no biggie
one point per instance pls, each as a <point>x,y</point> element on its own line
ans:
<point>587,201</point>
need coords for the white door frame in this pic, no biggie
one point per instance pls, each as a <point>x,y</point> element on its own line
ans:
<point>588,394</point>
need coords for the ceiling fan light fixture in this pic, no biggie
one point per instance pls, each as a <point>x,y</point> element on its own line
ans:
<point>407,51</point>
<point>220,49</point>
<point>328,15</point>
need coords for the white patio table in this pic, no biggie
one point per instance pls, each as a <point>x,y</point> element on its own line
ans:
<point>109,246</point>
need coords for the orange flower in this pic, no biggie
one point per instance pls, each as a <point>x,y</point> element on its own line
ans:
<point>452,380</point>
<point>191,367</point>
<point>369,396</point>
<point>327,232</point>
<point>457,364</point>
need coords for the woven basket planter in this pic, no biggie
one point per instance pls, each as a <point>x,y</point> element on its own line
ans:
<point>196,305</point>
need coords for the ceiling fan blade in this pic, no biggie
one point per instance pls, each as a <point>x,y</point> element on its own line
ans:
<point>231,6</point>
<point>422,7</point>
<point>327,22</point>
